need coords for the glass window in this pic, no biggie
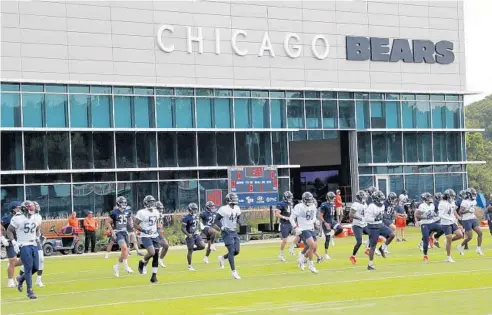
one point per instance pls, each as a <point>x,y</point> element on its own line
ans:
<point>146,150</point>
<point>330,114</point>
<point>312,94</point>
<point>253,148</point>
<point>365,170</point>
<point>294,94</point>
<point>422,97</point>
<point>79,111</point>
<point>313,114</point>
<point>362,114</point>
<point>453,145</point>
<point>54,200</point>
<point>136,192</point>
<point>456,181</point>
<point>11,150</point>
<point>184,112</point>
<point>207,149</point>
<point>443,182</point>
<point>295,113</point>
<point>164,91</point>
<point>280,148</point>
<point>315,134</point>
<point>425,147</point>
<point>180,194</point>
<point>365,182</point>
<point>169,196</point>
<point>423,115</point>
<point>143,91</point>
<point>214,190</point>
<point>225,148</point>
<point>123,112</point>
<point>278,113</point>
<point>100,89</point>
<point>47,178</point>
<point>103,149</point>
<point>56,110</point>
<point>242,113</point>
<point>392,96</point>
<point>32,106</point>
<point>10,194</point>
<point>125,150</point>
<point>26,87</point>
<point>101,111</point>
<point>364,147</point>
<point>259,94</point>
<point>396,184</point>
<point>328,95</point>
<point>393,113</point>
<point>185,92</point>
<point>186,149</point>
<point>277,94</point>
<point>58,149</point>
<point>410,146</point>
<point>452,115</point>
<point>55,88</point>
<point>439,146</point>
<point>222,112</point>
<point>345,95</point>
<point>437,97</point>
<point>82,150</point>
<point>259,113</point>
<point>417,184</point>
<point>380,147</point>
<point>143,108</point>
<point>11,113</point>
<point>84,89</point>
<point>298,135</point>
<point>362,96</point>
<point>122,90</point>
<point>167,149</point>
<point>136,176</point>
<point>378,114</point>
<point>347,114</point>
<point>164,112</point>
<point>438,115</point>
<point>12,179</point>
<point>14,87</point>
<point>98,198</point>
<point>36,157</point>
<point>204,92</point>
<point>204,113</point>
<point>223,92</point>
<point>408,114</point>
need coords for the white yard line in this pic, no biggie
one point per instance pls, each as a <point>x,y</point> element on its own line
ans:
<point>327,282</point>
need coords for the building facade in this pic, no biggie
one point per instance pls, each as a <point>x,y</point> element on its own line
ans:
<point>101,99</point>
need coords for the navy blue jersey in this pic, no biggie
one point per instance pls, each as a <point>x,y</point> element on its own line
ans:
<point>190,223</point>
<point>458,203</point>
<point>208,218</point>
<point>285,209</point>
<point>488,213</point>
<point>436,206</point>
<point>369,201</point>
<point>6,220</point>
<point>328,209</point>
<point>120,219</point>
<point>389,211</point>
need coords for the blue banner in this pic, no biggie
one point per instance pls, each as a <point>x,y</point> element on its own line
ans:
<point>257,199</point>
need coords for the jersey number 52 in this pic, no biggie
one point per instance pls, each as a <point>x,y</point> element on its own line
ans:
<point>29,227</point>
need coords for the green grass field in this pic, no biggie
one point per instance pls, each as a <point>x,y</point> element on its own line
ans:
<point>402,284</point>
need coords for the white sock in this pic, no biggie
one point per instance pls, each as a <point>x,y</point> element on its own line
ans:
<point>38,278</point>
<point>281,252</point>
<point>118,264</point>
<point>125,263</point>
<point>449,257</point>
<point>154,269</point>
<point>479,247</point>
<point>22,268</point>
<point>310,262</point>
<point>371,263</point>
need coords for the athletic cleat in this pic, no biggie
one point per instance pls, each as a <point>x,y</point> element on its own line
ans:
<point>235,275</point>
<point>39,283</point>
<point>369,267</point>
<point>190,268</point>
<point>386,251</point>
<point>466,247</point>
<point>398,240</point>
<point>353,260</point>
<point>450,260</point>
<point>318,260</point>
<point>377,253</point>
<point>404,240</point>
<point>11,284</point>
<point>381,251</point>
<point>161,262</point>
<point>116,271</point>
<point>421,247</point>
<point>212,247</point>
<point>129,270</point>
<point>141,266</point>
<point>300,263</point>
<point>31,295</point>
<point>20,283</point>
<point>460,250</point>
<point>153,279</point>
<point>326,257</point>
<point>221,262</point>
<point>426,259</point>
<point>479,251</point>
<point>281,258</point>
<point>205,260</point>
<point>367,252</point>
<point>436,243</point>
<point>313,269</point>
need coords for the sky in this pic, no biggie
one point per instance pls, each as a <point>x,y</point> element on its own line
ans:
<point>478,48</point>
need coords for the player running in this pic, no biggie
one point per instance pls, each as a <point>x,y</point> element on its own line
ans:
<point>488,214</point>
<point>284,208</point>
<point>117,224</point>
<point>374,218</point>
<point>359,225</point>
<point>305,214</point>
<point>146,222</point>
<point>14,209</point>
<point>469,221</point>
<point>390,213</point>
<point>27,229</point>
<point>227,218</point>
<point>429,220</point>
<point>162,239</point>
<point>327,218</point>
<point>189,227</point>
<point>39,219</point>
<point>208,219</point>
<point>449,217</point>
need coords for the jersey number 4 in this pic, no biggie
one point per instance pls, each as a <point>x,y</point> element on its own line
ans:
<point>29,227</point>
<point>233,217</point>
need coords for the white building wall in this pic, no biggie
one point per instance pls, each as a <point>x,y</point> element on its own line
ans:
<point>115,42</point>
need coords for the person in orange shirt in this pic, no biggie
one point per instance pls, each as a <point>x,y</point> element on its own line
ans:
<point>73,221</point>
<point>90,227</point>
<point>339,206</point>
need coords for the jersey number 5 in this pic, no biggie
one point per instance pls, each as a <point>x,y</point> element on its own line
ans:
<point>29,227</point>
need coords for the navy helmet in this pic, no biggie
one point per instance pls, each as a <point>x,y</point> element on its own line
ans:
<point>149,202</point>
<point>193,208</point>
<point>330,196</point>
<point>121,202</point>
<point>392,198</point>
<point>449,195</point>
<point>307,198</point>
<point>361,196</point>
<point>210,206</point>
<point>232,199</point>
<point>378,198</point>
<point>288,197</point>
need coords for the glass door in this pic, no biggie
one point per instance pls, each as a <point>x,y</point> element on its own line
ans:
<point>382,184</point>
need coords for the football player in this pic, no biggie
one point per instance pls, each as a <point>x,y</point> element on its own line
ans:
<point>374,218</point>
<point>449,218</point>
<point>435,238</point>
<point>284,208</point>
<point>470,221</point>
<point>162,239</point>
<point>146,222</point>
<point>189,227</point>
<point>488,214</point>
<point>359,225</point>
<point>305,214</point>
<point>401,214</point>
<point>390,213</point>
<point>227,218</point>
<point>38,217</point>
<point>429,220</point>
<point>327,218</point>
<point>117,224</point>
<point>14,209</point>
<point>208,219</point>
<point>27,229</point>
